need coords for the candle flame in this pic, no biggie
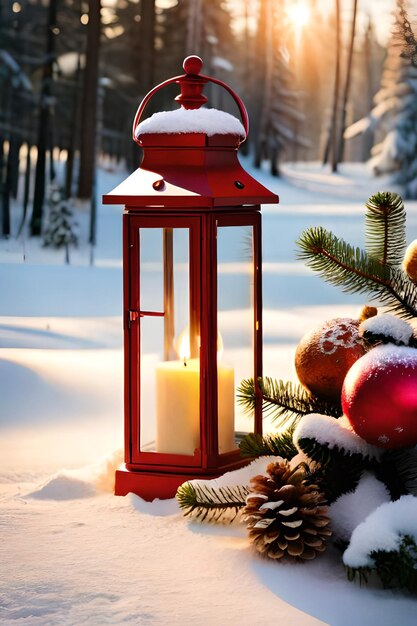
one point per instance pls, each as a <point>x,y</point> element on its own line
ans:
<point>183,347</point>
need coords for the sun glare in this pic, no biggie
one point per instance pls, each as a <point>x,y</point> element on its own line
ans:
<point>299,14</point>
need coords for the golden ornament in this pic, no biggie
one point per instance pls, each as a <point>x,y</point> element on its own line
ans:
<point>367,312</point>
<point>410,261</point>
<point>325,355</point>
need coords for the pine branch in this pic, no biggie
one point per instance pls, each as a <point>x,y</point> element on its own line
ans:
<point>395,569</point>
<point>398,470</point>
<point>246,395</point>
<point>209,504</point>
<point>324,454</point>
<point>335,471</point>
<point>385,228</point>
<point>354,271</point>
<point>282,445</point>
<point>284,401</point>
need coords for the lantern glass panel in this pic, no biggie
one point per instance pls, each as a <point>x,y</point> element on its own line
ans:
<point>151,269</point>
<point>235,323</point>
<point>170,367</point>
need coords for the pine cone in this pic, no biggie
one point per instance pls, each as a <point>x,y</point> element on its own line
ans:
<point>286,517</point>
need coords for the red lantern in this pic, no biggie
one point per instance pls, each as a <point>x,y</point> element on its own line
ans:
<point>192,252</point>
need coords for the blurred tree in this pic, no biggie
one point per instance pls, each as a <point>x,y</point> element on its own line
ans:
<point>45,120</point>
<point>331,148</point>
<point>405,34</point>
<point>61,228</point>
<point>14,85</point>
<point>311,62</point>
<point>147,45</point>
<point>346,89</point>
<point>277,113</point>
<point>370,90</point>
<point>194,27</point>
<point>366,74</point>
<point>394,117</point>
<point>88,142</point>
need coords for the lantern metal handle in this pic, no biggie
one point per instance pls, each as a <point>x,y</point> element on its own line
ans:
<point>191,84</point>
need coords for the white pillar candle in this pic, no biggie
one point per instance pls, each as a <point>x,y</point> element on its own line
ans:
<point>178,407</point>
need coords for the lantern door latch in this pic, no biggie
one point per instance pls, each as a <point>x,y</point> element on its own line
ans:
<point>131,317</point>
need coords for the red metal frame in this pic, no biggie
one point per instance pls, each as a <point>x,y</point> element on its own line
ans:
<point>150,471</point>
<point>253,219</point>
<point>203,297</point>
<point>132,283</point>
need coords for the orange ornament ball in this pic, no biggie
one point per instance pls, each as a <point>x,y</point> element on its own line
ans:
<point>325,354</point>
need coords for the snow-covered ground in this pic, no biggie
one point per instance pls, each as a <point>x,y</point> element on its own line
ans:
<point>71,553</point>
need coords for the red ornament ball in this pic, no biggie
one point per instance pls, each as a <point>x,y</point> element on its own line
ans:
<point>379,397</point>
<point>325,354</point>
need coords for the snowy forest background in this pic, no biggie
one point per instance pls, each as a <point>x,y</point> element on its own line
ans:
<point>322,80</point>
<point>72,73</point>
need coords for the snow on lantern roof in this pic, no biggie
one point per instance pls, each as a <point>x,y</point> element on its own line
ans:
<point>208,121</point>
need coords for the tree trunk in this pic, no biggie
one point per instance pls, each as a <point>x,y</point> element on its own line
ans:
<point>44,123</point>
<point>12,179</point>
<point>368,136</point>
<point>13,162</point>
<point>259,85</point>
<point>147,45</point>
<point>6,200</point>
<point>69,169</point>
<point>195,26</point>
<point>244,148</point>
<point>89,106</point>
<point>347,83</point>
<point>25,190</point>
<point>333,130</point>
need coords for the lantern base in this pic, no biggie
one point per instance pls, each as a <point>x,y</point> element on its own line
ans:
<point>151,485</point>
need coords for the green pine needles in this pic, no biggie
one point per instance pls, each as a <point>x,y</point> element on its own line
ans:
<point>333,470</point>
<point>284,402</point>
<point>397,469</point>
<point>209,504</point>
<point>395,569</point>
<point>385,228</point>
<point>255,445</point>
<point>376,270</point>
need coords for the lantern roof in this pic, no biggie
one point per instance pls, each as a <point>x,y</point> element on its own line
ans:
<point>190,154</point>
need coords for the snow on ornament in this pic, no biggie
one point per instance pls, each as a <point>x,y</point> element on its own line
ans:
<point>325,354</point>
<point>379,397</point>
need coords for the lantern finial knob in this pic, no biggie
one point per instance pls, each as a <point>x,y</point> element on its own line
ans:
<point>192,84</point>
<point>192,65</point>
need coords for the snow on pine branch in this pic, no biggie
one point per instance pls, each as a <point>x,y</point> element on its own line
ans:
<point>387,326</point>
<point>382,530</point>
<point>391,104</point>
<point>333,433</point>
<point>208,121</point>
<point>352,508</point>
